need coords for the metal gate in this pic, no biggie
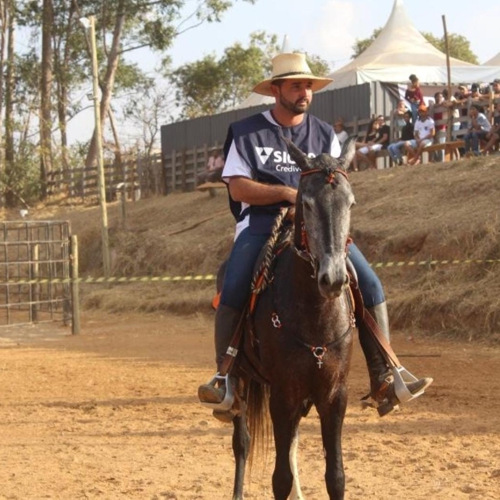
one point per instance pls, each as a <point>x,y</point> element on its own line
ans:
<point>35,272</point>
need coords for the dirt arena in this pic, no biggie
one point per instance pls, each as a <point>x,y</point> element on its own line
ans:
<point>112,413</point>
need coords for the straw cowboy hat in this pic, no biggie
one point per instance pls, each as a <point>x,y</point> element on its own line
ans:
<point>291,66</point>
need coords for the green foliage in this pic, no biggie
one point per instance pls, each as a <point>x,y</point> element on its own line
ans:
<point>212,85</point>
<point>459,45</point>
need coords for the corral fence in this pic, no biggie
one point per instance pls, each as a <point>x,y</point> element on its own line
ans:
<point>35,272</point>
<point>141,177</point>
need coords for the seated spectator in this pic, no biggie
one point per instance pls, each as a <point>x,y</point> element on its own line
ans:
<point>340,131</point>
<point>215,166</point>
<point>493,136</point>
<point>439,115</point>
<point>398,117</point>
<point>414,96</point>
<point>423,133</point>
<point>368,138</point>
<point>479,126</point>
<point>380,140</point>
<point>395,149</point>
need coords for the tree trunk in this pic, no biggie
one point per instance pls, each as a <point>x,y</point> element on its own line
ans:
<point>45,97</point>
<point>109,80</point>
<point>10,197</point>
<point>3,36</point>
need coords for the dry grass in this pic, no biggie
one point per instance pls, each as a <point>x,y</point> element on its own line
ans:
<point>443,212</point>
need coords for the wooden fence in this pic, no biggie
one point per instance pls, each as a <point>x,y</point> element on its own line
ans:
<point>180,170</point>
<point>141,178</point>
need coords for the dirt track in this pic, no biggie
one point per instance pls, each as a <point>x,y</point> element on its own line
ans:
<point>112,414</point>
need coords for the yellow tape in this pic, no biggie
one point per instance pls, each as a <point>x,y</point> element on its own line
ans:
<point>213,277</point>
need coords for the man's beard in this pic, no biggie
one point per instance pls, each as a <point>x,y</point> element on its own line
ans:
<point>299,107</point>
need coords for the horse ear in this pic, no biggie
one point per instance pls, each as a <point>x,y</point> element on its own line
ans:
<point>300,158</point>
<point>348,152</point>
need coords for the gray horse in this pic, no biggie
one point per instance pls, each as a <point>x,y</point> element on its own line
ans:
<point>303,322</point>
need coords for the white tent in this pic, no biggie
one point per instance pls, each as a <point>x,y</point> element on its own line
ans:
<point>399,50</point>
<point>494,61</point>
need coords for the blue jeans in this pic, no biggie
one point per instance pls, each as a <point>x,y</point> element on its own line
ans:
<point>440,139</point>
<point>471,140</point>
<point>394,150</point>
<point>240,265</point>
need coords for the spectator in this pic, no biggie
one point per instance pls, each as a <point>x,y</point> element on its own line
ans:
<point>369,138</point>
<point>398,117</point>
<point>451,104</point>
<point>479,126</point>
<point>375,141</point>
<point>462,99</point>
<point>414,96</point>
<point>493,136</point>
<point>474,92</point>
<point>340,131</point>
<point>423,133</point>
<point>496,88</point>
<point>395,149</point>
<point>439,115</point>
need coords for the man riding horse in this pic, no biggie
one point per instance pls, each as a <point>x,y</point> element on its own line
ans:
<point>262,178</point>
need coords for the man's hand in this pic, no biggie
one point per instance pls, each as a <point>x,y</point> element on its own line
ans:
<point>256,193</point>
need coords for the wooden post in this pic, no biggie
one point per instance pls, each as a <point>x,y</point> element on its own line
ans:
<point>35,287</point>
<point>173,165</point>
<point>75,292</point>
<point>448,71</point>
<point>183,170</point>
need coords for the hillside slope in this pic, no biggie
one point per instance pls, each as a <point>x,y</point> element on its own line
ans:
<point>431,212</point>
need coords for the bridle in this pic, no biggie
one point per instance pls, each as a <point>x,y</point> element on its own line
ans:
<point>303,251</point>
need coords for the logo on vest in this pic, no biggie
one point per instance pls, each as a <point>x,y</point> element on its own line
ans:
<point>264,153</point>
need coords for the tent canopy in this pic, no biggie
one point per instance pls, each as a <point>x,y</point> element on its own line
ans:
<point>399,50</point>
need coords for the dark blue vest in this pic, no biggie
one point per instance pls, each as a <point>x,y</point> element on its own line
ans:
<point>261,147</point>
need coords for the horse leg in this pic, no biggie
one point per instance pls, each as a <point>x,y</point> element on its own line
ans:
<point>241,447</point>
<point>332,417</point>
<point>285,423</point>
<point>296,493</point>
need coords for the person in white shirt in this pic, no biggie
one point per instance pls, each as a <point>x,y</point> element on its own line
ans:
<point>424,132</point>
<point>340,132</point>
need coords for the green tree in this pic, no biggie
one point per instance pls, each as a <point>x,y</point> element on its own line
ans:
<point>212,85</point>
<point>459,45</point>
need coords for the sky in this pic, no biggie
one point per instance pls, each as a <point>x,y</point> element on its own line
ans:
<point>327,28</point>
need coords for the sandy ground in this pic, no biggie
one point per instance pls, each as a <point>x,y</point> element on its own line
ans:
<point>112,413</point>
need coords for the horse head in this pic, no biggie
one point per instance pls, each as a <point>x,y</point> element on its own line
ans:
<point>322,216</point>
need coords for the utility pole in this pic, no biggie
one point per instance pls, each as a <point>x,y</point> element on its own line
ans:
<point>89,24</point>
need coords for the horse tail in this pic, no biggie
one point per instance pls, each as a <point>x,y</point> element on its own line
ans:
<point>258,418</point>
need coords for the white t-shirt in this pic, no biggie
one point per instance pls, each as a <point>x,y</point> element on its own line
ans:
<point>235,166</point>
<point>424,128</point>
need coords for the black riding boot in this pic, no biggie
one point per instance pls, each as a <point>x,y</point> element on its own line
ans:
<point>226,322</point>
<point>381,378</point>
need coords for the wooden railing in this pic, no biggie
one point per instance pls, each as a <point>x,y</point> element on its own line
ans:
<point>141,177</point>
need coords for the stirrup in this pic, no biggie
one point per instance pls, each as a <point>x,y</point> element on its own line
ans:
<point>402,377</point>
<point>227,402</point>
